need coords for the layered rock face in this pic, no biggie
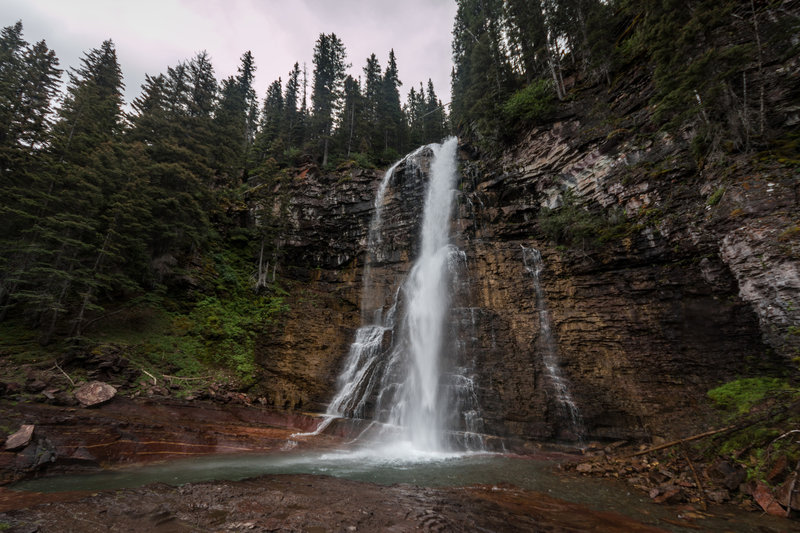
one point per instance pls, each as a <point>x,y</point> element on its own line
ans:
<point>691,278</point>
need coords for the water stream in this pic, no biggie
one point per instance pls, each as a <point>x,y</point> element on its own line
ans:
<point>413,394</point>
<point>548,350</point>
<point>426,470</point>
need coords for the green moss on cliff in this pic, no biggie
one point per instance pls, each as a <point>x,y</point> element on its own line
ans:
<point>741,395</point>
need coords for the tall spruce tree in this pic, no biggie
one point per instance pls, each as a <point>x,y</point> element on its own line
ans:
<point>328,88</point>
<point>62,269</point>
<point>390,113</point>
<point>236,119</point>
<point>293,121</point>
<point>29,81</point>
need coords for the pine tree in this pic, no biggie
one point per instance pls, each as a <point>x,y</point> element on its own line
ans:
<point>293,121</point>
<point>352,123</point>
<point>329,75</point>
<point>390,113</point>
<point>61,270</point>
<point>373,92</point>
<point>482,77</point>
<point>269,142</point>
<point>434,117</point>
<point>29,80</point>
<point>236,119</point>
<point>414,112</point>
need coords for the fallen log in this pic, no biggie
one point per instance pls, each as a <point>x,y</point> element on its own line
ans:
<point>681,441</point>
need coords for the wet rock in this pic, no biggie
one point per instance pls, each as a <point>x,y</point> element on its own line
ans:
<point>35,385</point>
<point>728,475</point>
<point>584,468</point>
<point>20,439</point>
<point>95,393</point>
<point>718,496</point>
<point>667,494</point>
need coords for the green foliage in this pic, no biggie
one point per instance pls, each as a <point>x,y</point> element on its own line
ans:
<point>716,196</point>
<point>574,225</point>
<point>741,395</point>
<point>226,330</point>
<point>531,103</point>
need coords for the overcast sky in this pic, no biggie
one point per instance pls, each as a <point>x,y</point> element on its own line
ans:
<point>151,35</point>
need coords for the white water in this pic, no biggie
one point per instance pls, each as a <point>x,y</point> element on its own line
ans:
<point>395,375</point>
<point>532,259</point>
<point>426,293</point>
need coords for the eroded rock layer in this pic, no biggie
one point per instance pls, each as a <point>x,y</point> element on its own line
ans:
<point>687,277</point>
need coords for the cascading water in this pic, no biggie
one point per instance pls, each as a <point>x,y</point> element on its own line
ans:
<point>532,259</point>
<point>398,373</point>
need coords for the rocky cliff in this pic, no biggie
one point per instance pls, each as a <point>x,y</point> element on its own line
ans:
<point>685,274</point>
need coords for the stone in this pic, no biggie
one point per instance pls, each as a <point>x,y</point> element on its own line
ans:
<point>767,501</point>
<point>20,439</point>
<point>95,393</point>
<point>35,385</point>
<point>718,496</point>
<point>584,468</point>
<point>727,474</point>
<point>669,494</point>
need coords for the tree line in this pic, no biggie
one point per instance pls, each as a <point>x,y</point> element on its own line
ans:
<point>101,205</point>
<point>706,60</point>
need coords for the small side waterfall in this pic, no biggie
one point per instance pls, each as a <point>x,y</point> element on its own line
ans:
<point>548,349</point>
<point>402,371</point>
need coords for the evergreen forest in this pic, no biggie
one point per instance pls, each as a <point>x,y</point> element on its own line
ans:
<point>107,207</point>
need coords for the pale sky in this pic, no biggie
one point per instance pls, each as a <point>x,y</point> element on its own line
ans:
<point>151,35</point>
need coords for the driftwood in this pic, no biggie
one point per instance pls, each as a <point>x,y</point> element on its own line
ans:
<point>791,490</point>
<point>681,441</point>
<point>696,478</point>
<point>184,379</point>
<point>155,381</point>
<point>65,374</point>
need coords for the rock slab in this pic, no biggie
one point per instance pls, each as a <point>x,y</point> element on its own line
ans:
<point>20,439</point>
<point>95,393</point>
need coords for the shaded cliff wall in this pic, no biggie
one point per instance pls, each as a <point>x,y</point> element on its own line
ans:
<point>691,278</point>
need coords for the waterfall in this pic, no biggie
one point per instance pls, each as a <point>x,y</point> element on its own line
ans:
<point>548,349</point>
<point>401,372</point>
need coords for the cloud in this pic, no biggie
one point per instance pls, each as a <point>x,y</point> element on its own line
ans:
<point>151,35</point>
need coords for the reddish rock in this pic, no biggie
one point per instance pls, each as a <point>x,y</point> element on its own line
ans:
<point>668,494</point>
<point>95,393</point>
<point>778,471</point>
<point>20,439</point>
<point>764,498</point>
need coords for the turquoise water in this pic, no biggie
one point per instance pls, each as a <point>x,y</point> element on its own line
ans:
<point>423,469</point>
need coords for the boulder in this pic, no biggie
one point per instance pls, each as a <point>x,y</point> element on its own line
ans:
<point>20,439</point>
<point>95,393</point>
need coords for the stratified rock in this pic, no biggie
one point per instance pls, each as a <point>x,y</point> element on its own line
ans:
<point>95,393</point>
<point>20,439</point>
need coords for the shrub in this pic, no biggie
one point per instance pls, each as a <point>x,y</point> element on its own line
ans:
<point>741,395</point>
<point>531,103</point>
